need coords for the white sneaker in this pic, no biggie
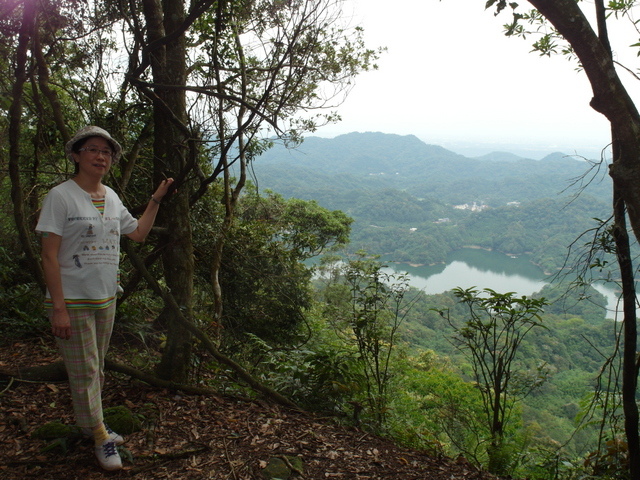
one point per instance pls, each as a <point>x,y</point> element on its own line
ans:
<point>108,456</point>
<point>113,436</point>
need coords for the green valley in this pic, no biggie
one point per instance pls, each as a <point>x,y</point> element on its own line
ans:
<point>416,203</point>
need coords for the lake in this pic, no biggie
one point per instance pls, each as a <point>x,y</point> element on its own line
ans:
<point>473,267</point>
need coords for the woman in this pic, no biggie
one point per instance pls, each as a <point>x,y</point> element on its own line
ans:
<point>81,222</point>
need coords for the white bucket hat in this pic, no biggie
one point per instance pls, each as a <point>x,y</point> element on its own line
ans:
<point>93,131</point>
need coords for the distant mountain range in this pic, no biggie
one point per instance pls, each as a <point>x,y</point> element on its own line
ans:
<point>511,157</point>
<point>374,161</point>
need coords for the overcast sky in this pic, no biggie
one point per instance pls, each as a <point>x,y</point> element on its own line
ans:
<point>452,78</point>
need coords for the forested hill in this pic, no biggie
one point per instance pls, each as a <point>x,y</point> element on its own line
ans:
<point>378,160</point>
<point>360,153</point>
<point>412,201</point>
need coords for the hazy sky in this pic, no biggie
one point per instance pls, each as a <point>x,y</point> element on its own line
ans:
<point>452,78</point>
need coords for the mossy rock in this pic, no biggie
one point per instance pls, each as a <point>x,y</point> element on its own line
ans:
<point>53,430</point>
<point>280,468</point>
<point>122,420</point>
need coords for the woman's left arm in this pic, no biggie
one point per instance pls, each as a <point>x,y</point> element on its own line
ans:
<point>145,222</point>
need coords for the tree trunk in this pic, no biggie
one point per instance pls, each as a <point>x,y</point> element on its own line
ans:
<point>15,121</point>
<point>53,372</point>
<point>167,60</point>
<point>629,367</point>
<point>612,100</point>
<point>57,372</point>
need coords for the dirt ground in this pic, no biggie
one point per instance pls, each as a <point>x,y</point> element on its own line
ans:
<point>194,437</point>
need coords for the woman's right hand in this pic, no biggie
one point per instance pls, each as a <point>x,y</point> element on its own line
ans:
<point>61,324</point>
<point>60,321</point>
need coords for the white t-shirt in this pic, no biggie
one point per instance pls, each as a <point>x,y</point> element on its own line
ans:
<point>90,247</point>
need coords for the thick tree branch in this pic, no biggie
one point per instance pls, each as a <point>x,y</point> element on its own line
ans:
<point>197,10</point>
<point>241,373</point>
<point>610,97</point>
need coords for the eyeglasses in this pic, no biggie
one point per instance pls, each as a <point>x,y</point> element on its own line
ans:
<point>95,151</point>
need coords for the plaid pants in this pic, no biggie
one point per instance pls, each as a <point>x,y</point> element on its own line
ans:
<point>83,356</point>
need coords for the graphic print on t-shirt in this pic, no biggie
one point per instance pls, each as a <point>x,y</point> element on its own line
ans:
<point>98,242</point>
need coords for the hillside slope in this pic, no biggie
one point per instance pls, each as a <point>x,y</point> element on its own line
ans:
<point>189,437</point>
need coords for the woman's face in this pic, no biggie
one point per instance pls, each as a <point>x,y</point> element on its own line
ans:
<point>95,157</point>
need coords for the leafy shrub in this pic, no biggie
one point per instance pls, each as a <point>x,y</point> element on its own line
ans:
<point>322,380</point>
<point>21,307</point>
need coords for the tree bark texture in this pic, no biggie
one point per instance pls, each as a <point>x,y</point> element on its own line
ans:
<point>15,121</point>
<point>167,60</point>
<point>630,342</point>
